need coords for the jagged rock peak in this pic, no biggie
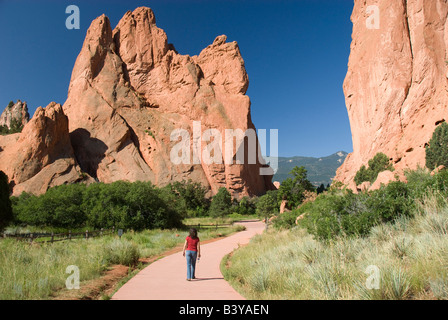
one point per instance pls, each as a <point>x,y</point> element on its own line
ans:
<point>41,156</point>
<point>15,112</point>
<point>129,91</point>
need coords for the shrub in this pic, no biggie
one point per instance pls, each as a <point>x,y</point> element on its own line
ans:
<point>437,150</point>
<point>191,198</point>
<point>6,215</point>
<point>136,206</point>
<point>288,219</point>
<point>221,203</point>
<point>121,204</point>
<point>343,213</point>
<point>4,130</point>
<point>390,202</point>
<point>15,127</point>
<point>122,252</point>
<point>149,207</point>
<point>267,205</point>
<point>363,175</point>
<point>421,183</point>
<point>246,206</point>
<point>60,206</point>
<point>328,216</point>
<point>380,162</point>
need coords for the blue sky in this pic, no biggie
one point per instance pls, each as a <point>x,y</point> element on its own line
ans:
<point>296,54</point>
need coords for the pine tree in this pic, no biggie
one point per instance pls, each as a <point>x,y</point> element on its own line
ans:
<point>437,150</point>
<point>292,189</point>
<point>320,189</point>
<point>362,175</point>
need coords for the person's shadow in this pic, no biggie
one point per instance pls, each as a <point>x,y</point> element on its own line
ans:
<point>204,279</point>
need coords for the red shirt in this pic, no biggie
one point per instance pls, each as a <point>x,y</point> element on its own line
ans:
<point>192,244</point>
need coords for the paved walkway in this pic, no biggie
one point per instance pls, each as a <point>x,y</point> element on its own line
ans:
<point>165,279</point>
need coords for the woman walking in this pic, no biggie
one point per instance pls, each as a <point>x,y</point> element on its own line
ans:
<point>192,250</point>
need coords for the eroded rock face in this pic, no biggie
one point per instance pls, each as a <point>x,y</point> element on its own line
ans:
<point>396,84</point>
<point>41,156</point>
<point>130,89</point>
<point>17,112</point>
<point>128,92</point>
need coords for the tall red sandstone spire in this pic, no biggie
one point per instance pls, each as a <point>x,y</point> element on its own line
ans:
<point>396,87</point>
<point>130,89</point>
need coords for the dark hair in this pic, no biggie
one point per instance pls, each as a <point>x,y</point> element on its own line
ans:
<point>193,233</point>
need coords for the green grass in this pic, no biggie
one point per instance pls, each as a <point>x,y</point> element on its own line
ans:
<point>411,255</point>
<point>234,217</point>
<point>37,271</point>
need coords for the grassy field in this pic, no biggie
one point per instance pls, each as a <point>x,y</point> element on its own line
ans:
<point>407,259</point>
<point>37,271</point>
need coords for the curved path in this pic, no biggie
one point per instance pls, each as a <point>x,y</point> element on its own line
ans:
<point>165,279</point>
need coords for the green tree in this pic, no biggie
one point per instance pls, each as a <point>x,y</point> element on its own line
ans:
<point>190,197</point>
<point>380,162</point>
<point>437,150</point>
<point>243,205</point>
<point>292,189</point>
<point>150,207</point>
<point>6,215</point>
<point>267,205</point>
<point>362,175</point>
<point>221,203</point>
<point>246,206</point>
<point>126,205</point>
<point>60,206</point>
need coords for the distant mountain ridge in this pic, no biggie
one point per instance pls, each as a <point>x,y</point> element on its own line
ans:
<point>320,170</point>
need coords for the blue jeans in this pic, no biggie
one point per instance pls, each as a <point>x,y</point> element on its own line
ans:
<point>191,263</point>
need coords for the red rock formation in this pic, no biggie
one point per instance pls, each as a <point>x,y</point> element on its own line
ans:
<point>41,156</point>
<point>130,89</point>
<point>396,85</point>
<point>384,177</point>
<point>18,112</point>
